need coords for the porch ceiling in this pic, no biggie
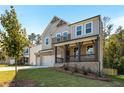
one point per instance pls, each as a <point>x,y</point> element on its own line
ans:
<point>76,41</point>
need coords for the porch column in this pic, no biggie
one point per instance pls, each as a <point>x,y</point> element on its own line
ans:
<point>65,53</point>
<point>79,50</point>
<point>55,52</point>
<point>96,49</point>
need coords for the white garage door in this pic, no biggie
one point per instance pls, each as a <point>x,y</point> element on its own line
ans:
<point>48,61</point>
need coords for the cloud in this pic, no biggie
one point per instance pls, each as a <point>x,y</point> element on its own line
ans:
<point>117,22</point>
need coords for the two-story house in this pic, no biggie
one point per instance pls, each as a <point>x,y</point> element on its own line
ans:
<point>77,43</point>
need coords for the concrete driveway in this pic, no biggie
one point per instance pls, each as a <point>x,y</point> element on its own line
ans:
<point>21,68</point>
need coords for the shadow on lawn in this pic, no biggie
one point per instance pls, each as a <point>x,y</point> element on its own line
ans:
<point>19,82</point>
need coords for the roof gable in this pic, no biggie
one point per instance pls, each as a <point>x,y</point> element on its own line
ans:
<point>61,23</point>
<point>55,18</point>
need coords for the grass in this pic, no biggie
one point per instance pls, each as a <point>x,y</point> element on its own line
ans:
<point>51,78</point>
<point>6,76</point>
<point>3,65</point>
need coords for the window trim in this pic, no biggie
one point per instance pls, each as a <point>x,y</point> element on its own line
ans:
<point>26,53</point>
<point>82,30</point>
<point>60,36</point>
<point>45,40</point>
<point>91,27</point>
<point>58,33</point>
<point>90,45</point>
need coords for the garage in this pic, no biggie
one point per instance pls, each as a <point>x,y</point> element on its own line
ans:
<point>48,61</point>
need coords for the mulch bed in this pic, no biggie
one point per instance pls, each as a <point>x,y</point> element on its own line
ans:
<point>89,75</point>
<point>19,83</point>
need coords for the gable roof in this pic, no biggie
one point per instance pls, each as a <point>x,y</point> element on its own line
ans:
<point>85,20</point>
<point>55,20</point>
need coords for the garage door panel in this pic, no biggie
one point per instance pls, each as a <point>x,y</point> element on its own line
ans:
<point>48,60</point>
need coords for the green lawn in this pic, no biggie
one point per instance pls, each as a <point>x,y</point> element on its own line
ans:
<point>52,78</point>
<point>3,65</point>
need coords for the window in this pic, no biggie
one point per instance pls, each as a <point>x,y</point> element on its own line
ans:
<point>75,52</point>
<point>46,41</point>
<point>90,49</point>
<point>26,51</point>
<point>78,30</point>
<point>65,36</point>
<point>88,27</point>
<point>58,37</point>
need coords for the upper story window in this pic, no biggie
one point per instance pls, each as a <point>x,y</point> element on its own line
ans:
<point>46,40</point>
<point>78,30</point>
<point>89,27</point>
<point>58,35</point>
<point>65,35</point>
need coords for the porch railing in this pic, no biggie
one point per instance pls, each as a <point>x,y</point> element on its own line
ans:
<point>61,39</point>
<point>83,58</point>
<point>59,60</point>
<point>75,58</point>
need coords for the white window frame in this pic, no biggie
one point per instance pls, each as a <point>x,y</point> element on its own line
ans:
<point>89,45</point>
<point>82,30</point>
<point>91,27</point>
<point>59,34</point>
<point>45,40</point>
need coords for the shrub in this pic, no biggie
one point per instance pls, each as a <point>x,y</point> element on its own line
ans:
<point>66,67</point>
<point>84,70</point>
<point>121,66</point>
<point>89,70</point>
<point>75,69</point>
<point>97,73</point>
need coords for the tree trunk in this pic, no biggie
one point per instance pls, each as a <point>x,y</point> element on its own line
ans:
<point>16,71</point>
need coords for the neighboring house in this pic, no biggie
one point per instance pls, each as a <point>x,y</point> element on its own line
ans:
<point>78,43</point>
<point>23,60</point>
<point>25,57</point>
<point>33,51</point>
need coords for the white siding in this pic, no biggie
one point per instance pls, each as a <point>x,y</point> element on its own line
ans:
<point>34,50</point>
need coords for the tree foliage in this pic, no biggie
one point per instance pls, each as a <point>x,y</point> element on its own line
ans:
<point>114,50</point>
<point>14,40</point>
<point>34,38</point>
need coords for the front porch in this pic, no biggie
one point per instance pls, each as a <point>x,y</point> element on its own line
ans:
<point>82,51</point>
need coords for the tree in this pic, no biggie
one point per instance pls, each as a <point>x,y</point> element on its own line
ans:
<point>120,36</point>
<point>37,39</point>
<point>114,50</point>
<point>107,27</point>
<point>14,41</point>
<point>32,37</point>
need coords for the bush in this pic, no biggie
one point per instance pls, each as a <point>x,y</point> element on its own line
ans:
<point>121,66</point>
<point>84,70</point>
<point>66,67</point>
<point>89,70</point>
<point>75,69</point>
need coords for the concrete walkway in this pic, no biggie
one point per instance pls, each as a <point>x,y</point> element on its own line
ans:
<point>21,68</point>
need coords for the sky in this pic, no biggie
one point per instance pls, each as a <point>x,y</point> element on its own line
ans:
<point>35,18</point>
